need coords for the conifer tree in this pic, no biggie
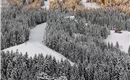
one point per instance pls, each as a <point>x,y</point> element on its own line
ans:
<point>42,3</point>
<point>117,44</point>
<point>2,41</point>
<point>105,32</point>
<point>129,50</point>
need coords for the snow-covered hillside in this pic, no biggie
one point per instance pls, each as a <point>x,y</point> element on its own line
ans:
<point>38,33</point>
<point>123,39</point>
<point>35,45</point>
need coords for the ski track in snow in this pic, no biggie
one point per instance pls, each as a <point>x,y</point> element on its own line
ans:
<point>35,45</point>
<point>123,39</point>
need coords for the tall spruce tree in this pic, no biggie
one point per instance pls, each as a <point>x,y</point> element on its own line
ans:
<point>2,41</point>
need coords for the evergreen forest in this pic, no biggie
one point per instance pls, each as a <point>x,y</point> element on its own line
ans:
<point>81,40</point>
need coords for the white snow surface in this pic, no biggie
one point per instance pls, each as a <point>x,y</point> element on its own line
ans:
<point>38,33</point>
<point>84,3</point>
<point>70,17</point>
<point>122,38</point>
<point>35,45</point>
<point>90,4</point>
<point>47,4</point>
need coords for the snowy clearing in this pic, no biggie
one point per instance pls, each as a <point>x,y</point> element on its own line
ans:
<point>47,4</point>
<point>35,45</point>
<point>90,4</point>
<point>84,3</point>
<point>123,39</point>
<point>33,48</point>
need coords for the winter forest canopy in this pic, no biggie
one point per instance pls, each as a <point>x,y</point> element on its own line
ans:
<point>81,40</point>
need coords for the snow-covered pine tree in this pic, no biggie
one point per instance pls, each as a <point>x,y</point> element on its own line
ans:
<point>129,50</point>
<point>105,32</point>
<point>42,3</point>
<point>117,45</point>
<point>2,41</point>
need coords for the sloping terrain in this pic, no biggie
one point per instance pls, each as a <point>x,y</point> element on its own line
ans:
<point>35,45</point>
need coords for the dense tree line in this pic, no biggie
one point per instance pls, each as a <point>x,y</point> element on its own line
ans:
<point>73,36</point>
<point>71,5</point>
<point>16,66</point>
<point>81,40</point>
<point>107,16</point>
<point>27,3</point>
<point>109,64</point>
<point>17,22</point>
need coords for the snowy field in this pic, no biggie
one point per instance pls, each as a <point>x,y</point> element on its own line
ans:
<point>123,39</point>
<point>35,45</point>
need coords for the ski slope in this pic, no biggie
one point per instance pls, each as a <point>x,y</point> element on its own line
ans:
<point>123,39</point>
<point>36,46</point>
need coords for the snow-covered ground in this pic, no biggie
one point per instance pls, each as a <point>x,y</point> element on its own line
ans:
<point>90,4</point>
<point>123,39</point>
<point>47,4</point>
<point>84,3</point>
<point>38,33</point>
<point>70,17</point>
<point>35,45</point>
